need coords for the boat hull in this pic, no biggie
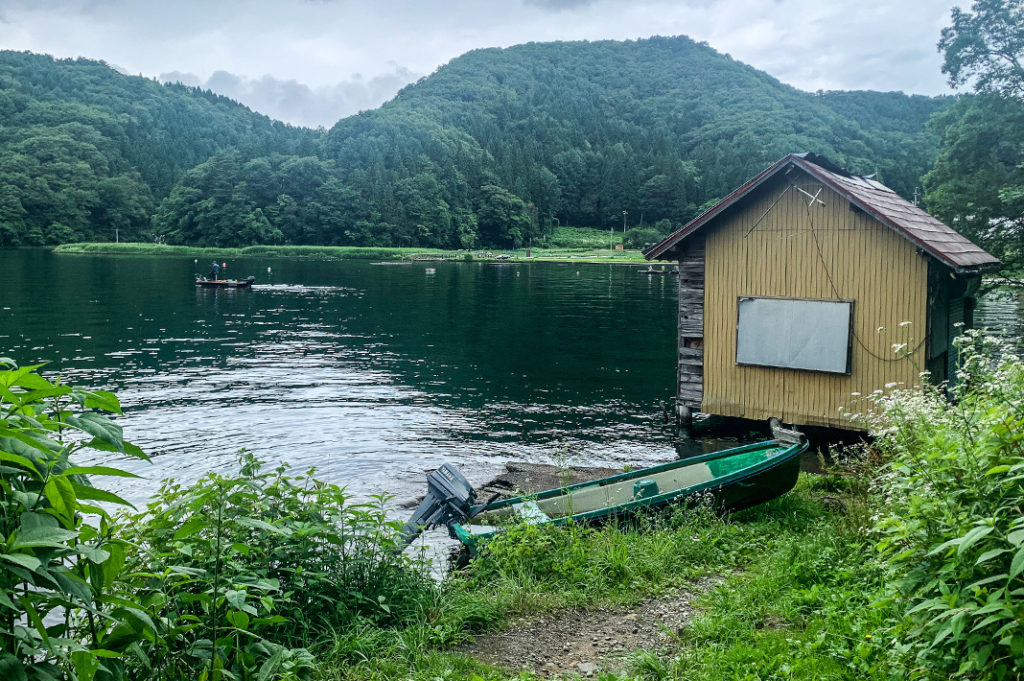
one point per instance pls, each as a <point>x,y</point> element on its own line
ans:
<point>736,478</point>
<point>225,283</point>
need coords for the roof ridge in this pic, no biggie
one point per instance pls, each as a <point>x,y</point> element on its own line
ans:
<point>874,198</point>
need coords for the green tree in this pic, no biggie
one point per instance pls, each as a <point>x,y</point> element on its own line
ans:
<point>977,182</point>
<point>504,219</point>
<point>986,45</point>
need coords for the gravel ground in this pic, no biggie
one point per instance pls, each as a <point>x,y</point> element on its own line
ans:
<point>585,643</point>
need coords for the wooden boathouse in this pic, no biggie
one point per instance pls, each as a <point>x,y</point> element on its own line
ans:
<point>809,286</point>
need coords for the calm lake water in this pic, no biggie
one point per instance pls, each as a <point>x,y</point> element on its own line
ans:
<point>371,373</point>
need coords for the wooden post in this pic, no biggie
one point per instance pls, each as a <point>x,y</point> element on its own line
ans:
<point>684,420</point>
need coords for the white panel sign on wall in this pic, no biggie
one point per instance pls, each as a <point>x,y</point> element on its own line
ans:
<point>790,333</point>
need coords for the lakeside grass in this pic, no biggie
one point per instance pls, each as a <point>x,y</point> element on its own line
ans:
<point>792,598</point>
<point>546,254</point>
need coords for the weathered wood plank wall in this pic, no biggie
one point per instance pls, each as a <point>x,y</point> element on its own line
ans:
<point>690,374</point>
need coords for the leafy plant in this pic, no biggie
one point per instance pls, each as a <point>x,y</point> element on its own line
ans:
<point>951,515</point>
<point>248,573</point>
<point>63,612</point>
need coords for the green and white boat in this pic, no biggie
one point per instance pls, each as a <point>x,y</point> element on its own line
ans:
<point>737,478</point>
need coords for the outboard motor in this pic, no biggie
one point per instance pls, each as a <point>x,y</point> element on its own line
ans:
<point>449,497</point>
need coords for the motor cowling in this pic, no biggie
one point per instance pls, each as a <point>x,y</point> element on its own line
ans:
<point>449,498</point>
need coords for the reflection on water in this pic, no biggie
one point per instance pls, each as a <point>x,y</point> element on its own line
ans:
<point>370,374</point>
<point>1002,311</point>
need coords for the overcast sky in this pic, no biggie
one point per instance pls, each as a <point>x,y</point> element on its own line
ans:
<point>311,62</point>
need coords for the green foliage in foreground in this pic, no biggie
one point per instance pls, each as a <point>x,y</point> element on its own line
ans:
<point>904,562</point>
<point>63,609</point>
<point>233,578</point>
<point>952,530</point>
<point>250,574</point>
<point>790,580</point>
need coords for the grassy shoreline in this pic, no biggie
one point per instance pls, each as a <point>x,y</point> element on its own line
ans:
<point>902,561</point>
<point>575,255</point>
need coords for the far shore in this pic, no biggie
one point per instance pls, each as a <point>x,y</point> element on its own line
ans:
<point>405,254</point>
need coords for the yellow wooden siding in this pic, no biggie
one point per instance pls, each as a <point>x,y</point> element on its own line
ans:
<point>856,258</point>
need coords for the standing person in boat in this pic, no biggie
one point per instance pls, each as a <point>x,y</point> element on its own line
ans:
<point>215,271</point>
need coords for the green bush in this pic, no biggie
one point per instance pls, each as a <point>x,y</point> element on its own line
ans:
<point>239,577</point>
<point>64,612</point>
<point>249,573</point>
<point>951,516</point>
<point>638,238</point>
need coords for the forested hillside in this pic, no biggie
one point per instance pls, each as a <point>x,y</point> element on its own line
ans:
<point>582,131</point>
<point>493,149</point>
<point>85,150</point>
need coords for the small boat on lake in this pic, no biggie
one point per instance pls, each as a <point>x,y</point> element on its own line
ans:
<point>225,283</point>
<point>736,478</point>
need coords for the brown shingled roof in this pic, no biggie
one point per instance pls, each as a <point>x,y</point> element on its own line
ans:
<point>941,242</point>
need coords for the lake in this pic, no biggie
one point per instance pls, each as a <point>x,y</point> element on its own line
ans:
<point>372,373</point>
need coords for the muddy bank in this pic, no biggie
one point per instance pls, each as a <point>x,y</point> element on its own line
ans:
<point>587,642</point>
<point>527,478</point>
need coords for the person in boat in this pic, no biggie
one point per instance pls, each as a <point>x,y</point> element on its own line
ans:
<point>215,271</point>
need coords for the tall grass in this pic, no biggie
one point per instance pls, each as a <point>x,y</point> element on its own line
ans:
<point>581,238</point>
<point>252,575</point>
<point>791,569</point>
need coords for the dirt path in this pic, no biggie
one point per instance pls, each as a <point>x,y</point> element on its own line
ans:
<point>587,642</point>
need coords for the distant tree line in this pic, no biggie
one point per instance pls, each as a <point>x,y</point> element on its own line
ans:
<point>493,149</point>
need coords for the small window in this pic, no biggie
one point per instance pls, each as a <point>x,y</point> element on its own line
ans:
<point>790,333</point>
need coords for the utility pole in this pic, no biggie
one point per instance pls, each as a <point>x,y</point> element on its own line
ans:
<point>624,214</point>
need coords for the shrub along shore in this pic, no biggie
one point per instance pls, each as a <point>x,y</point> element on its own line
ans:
<point>904,561</point>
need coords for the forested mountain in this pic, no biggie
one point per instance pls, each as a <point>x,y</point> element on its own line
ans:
<point>492,149</point>
<point>582,131</point>
<point>85,150</point>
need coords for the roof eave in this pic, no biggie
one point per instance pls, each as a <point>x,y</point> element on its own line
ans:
<point>877,215</point>
<point>972,270</point>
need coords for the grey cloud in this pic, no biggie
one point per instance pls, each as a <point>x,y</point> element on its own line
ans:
<point>297,103</point>
<point>559,5</point>
<point>183,78</point>
<point>117,67</point>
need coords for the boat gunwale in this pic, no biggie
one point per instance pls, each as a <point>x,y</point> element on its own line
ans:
<point>793,450</point>
<point>642,472</point>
